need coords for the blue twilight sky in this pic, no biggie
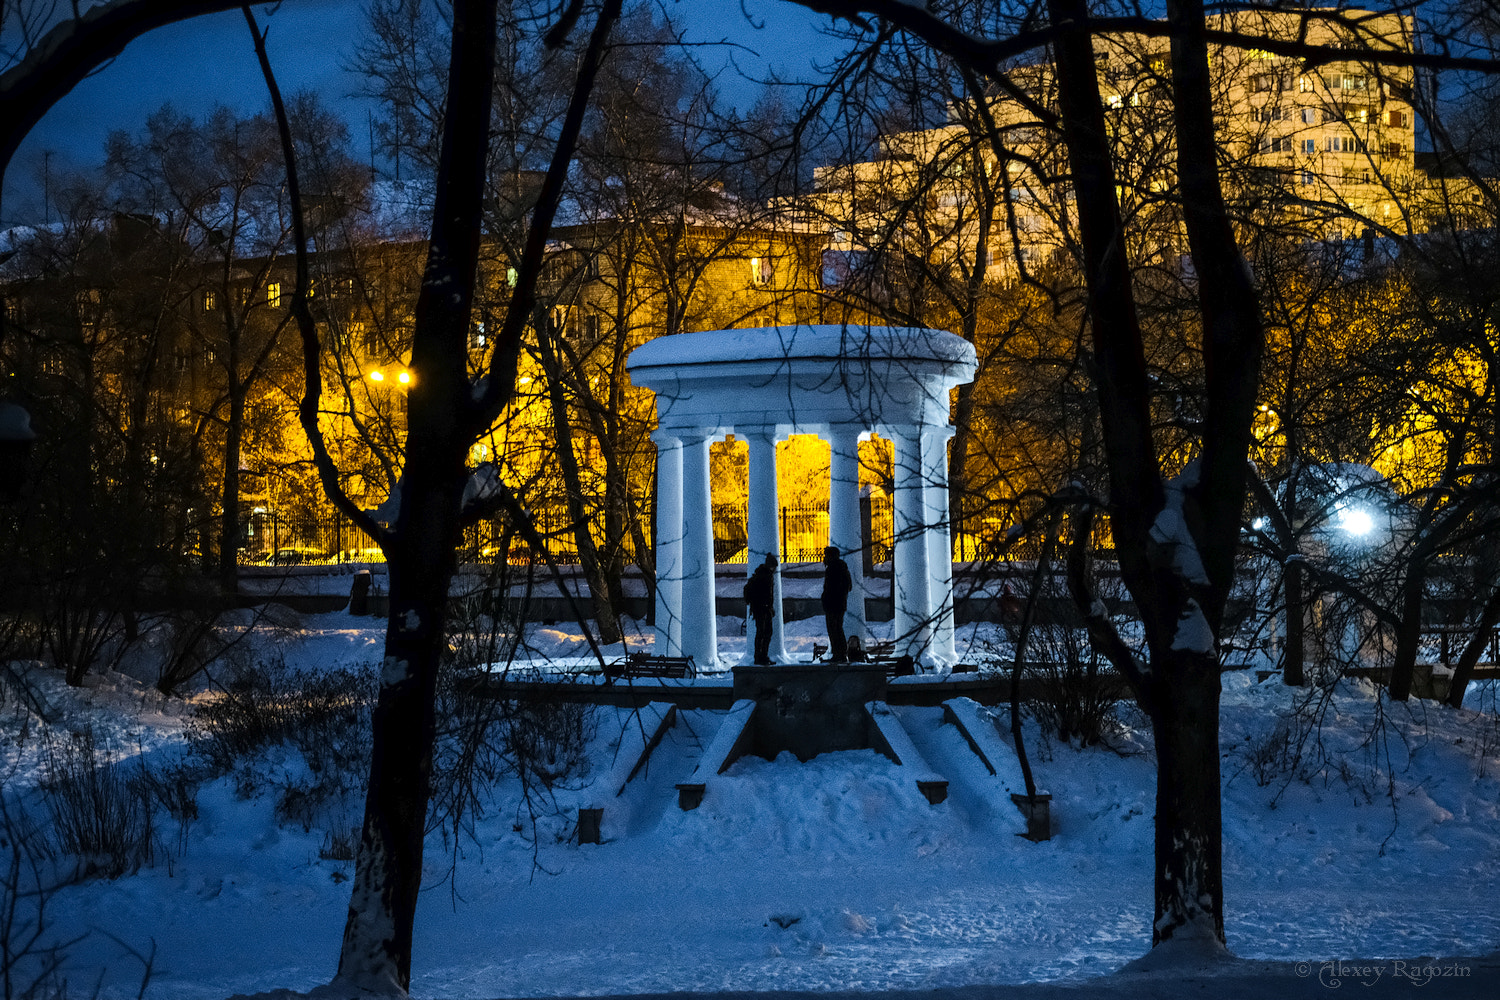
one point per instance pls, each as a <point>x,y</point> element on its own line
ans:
<point>210,60</point>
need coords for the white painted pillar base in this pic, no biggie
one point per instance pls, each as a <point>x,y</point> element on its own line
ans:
<point>939,542</point>
<point>843,520</point>
<point>700,633</point>
<point>765,534</point>
<point>668,542</point>
<point>912,587</point>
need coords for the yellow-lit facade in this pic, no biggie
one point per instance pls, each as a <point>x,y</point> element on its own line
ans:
<point>1328,152</point>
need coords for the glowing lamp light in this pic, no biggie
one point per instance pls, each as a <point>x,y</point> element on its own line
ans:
<point>1258,524</point>
<point>404,378</point>
<point>1357,522</point>
<point>377,376</point>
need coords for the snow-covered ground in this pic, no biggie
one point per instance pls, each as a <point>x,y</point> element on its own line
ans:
<point>1381,841</point>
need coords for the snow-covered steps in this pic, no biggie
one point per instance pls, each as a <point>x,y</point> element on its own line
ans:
<point>730,743</point>
<point>891,739</point>
<point>642,732</point>
<point>978,728</point>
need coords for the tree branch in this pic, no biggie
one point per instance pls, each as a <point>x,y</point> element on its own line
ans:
<point>312,354</point>
<point>64,56</point>
<point>502,372</point>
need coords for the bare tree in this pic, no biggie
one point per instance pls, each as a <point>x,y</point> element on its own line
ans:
<point>1176,536</point>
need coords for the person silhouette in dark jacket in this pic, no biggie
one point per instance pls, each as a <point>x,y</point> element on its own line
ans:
<point>836,586</point>
<point>760,597</point>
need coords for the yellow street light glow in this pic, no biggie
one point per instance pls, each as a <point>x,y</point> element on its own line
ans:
<point>377,376</point>
<point>404,377</point>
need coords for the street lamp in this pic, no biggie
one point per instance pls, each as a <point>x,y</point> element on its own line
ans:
<point>403,376</point>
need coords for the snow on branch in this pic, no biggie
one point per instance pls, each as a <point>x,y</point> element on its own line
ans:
<point>1171,534</point>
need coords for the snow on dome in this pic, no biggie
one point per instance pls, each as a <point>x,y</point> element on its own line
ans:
<point>829,341</point>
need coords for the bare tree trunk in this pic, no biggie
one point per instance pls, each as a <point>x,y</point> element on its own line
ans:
<point>606,616</point>
<point>1463,670</point>
<point>1189,837</point>
<point>1409,632</point>
<point>1293,651</point>
<point>229,512</point>
<point>376,951</point>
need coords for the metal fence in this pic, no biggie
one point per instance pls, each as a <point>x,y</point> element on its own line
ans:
<point>276,540</point>
<point>804,531</point>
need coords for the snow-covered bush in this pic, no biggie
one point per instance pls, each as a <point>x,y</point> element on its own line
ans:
<point>548,740</point>
<point>1071,691</point>
<point>484,739</point>
<point>317,712</point>
<point>189,645</point>
<point>30,954</point>
<point>98,815</point>
<point>304,736</point>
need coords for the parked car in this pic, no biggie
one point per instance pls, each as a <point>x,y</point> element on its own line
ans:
<point>297,555</point>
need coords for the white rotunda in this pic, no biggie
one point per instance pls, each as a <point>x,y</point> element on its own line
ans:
<point>840,383</point>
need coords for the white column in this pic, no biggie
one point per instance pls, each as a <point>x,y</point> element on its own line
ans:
<point>843,520</point>
<point>939,541</point>
<point>764,530</point>
<point>700,633</point>
<point>668,538</point>
<point>911,588</point>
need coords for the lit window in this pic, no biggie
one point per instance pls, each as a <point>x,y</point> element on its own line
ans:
<point>210,302</point>
<point>1304,84</point>
<point>761,270</point>
<point>1309,116</point>
<point>273,294</point>
<point>1114,100</point>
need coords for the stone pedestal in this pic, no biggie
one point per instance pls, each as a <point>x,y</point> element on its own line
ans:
<point>809,710</point>
<point>359,593</point>
<point>1037,810</point>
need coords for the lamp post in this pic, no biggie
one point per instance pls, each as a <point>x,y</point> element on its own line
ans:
<point>394,377</point>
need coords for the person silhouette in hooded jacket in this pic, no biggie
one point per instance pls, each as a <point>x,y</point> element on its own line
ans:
<point>836,586</point>
<point>760,597</point>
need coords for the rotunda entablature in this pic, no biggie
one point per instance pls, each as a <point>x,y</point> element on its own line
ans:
<point>801,379</point>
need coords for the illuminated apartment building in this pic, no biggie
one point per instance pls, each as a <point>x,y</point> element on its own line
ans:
<point>1326,152</point>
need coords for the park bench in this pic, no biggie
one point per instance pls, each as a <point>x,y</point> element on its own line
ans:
<point>878,652</point>
<point>650,665</point>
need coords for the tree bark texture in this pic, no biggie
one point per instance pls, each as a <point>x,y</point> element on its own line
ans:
<point>1189,823</point>
<point>376,951</point>
<point>1173,588</point>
